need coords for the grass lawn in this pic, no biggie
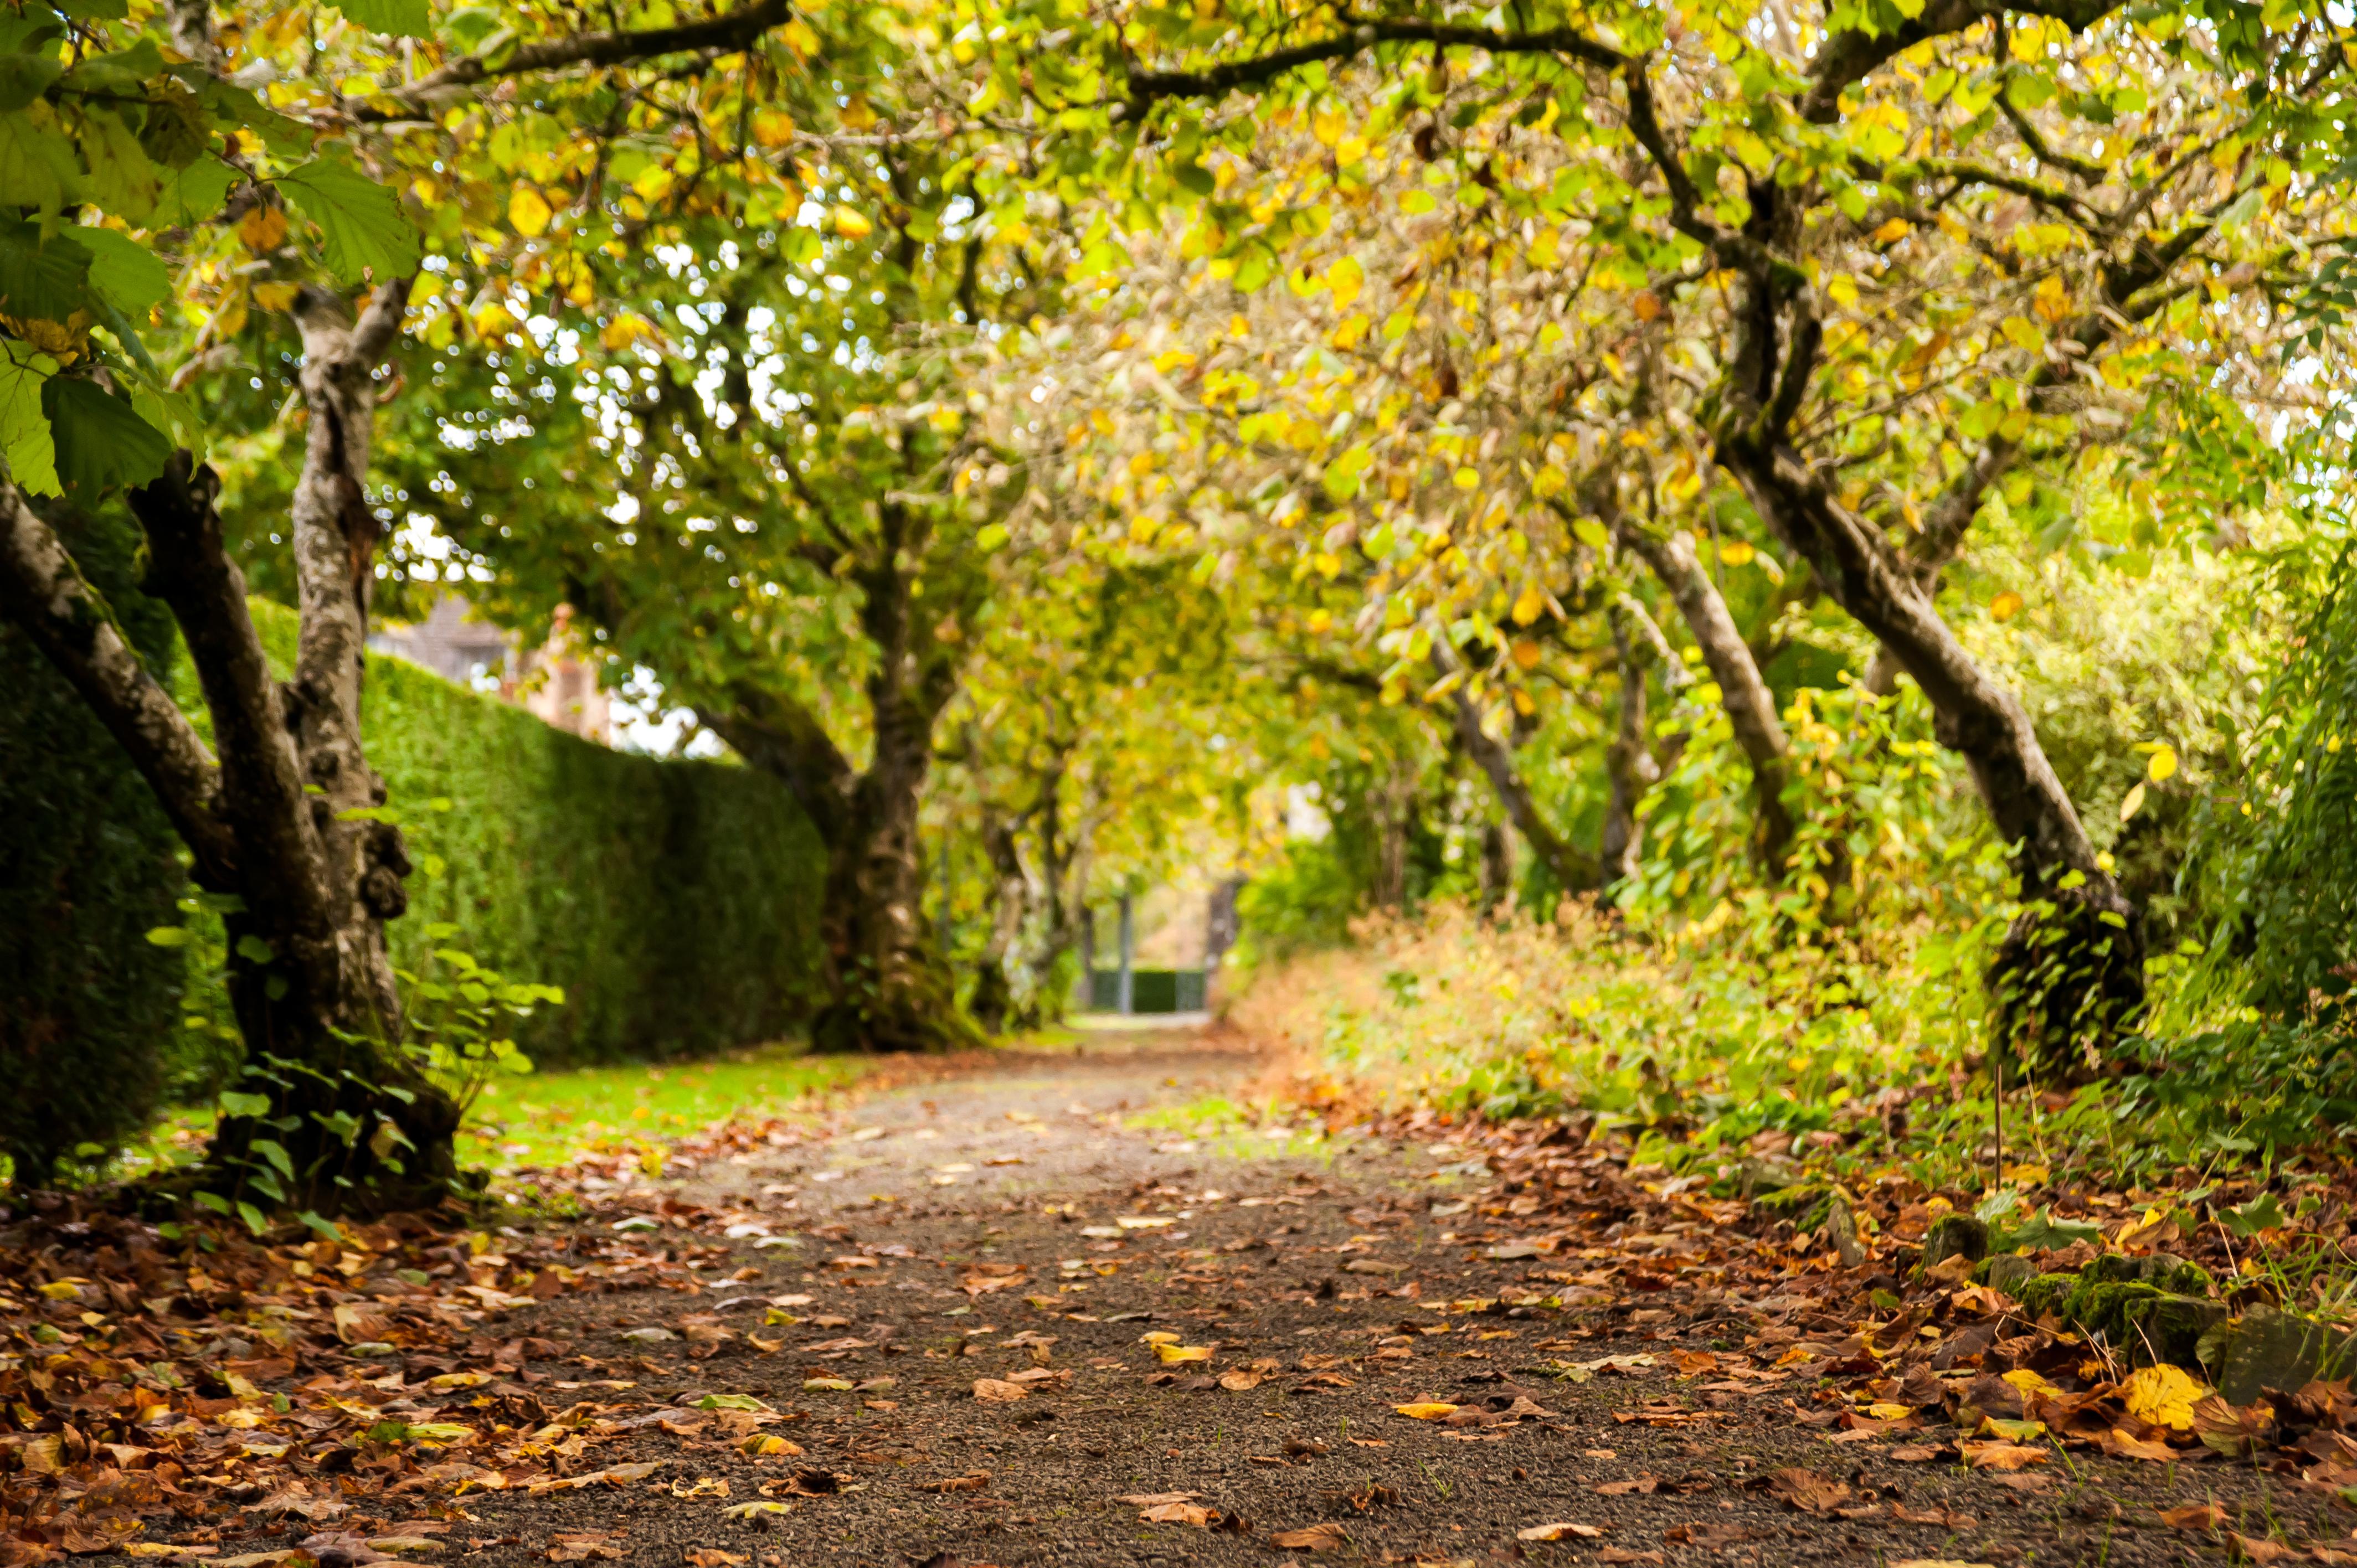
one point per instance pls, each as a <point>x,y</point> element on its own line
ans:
<point>543,1118</point>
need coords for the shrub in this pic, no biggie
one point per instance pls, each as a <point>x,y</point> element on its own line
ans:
<point>675,903</point>
<point>86,864</point>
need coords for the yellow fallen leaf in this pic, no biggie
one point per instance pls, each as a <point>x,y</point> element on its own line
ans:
<point>1159,1337</point>
<point>1425,1409</point>
<point>1883,1410</point>
<point>1172,1353</point>
<point>2029,1382</point>
<point>1559,1532</point>
<point>2163,1395</point>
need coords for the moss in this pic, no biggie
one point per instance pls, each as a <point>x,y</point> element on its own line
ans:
<point>2147,1321</point>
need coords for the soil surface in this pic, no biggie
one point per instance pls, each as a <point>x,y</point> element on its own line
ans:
<point>975,1268</point>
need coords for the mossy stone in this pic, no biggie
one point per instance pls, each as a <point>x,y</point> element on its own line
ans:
<point>1955,1235</point>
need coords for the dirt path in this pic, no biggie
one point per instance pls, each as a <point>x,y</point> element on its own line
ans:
<point>979,1263</point>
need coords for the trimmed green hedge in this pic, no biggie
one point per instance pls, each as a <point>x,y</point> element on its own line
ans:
<point>88,865</point>
<point>676,902</point>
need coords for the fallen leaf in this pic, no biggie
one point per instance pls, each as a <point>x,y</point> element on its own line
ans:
<point>1628,1554</point>
<point>1808,1492</point>
<point>1327,1537</point>
<point>2258,1549</point>
<point>1170,1355</point>
<point>998,1391</point>
<point>712,1557</point>
<point>1155,1500</point>
<point>1177,1513</point>
<point>2193,1516</point>
<point>1241,1380</point>
<point>2163,1395</point>
<point>972,1483</point>
<point>1916,1454</point>
<point>1425,1409</point>
<point>2120,1446</point>
<point>1559,1532</point>
<point>2002,1455</point>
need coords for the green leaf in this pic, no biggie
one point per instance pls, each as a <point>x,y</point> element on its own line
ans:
<point>95,10</point>
<point>2261,1213</point>
<point>211,1200</point>
<point>253,1218</point>
<point>365,228</point>
<point>273,1150</point>
<point>194,195</point>
<point>325,1228</point>
<point>37,166</point>
<point>254,950</point>
<point>169,936</point>
<point>124,273</point>
<point>24,439</point>
<point>234,1102</point>
<point>729,1401</point>
<point>101,442</point>
<point>24,77</point>
<point>122,178</point>
<point>399,18</point>
<point>45,279</point>
<point>2043,1230</point>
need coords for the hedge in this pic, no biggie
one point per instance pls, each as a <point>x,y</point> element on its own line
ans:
<point>676,902</point>
<point>88,865</point>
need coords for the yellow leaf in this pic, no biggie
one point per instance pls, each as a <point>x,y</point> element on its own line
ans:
<point>2163,1395</point>
<point>494,320</point>
<point>275,295</point>
<point>1173,1354</point>
<point>262,229</point>
<point>2006,606</point>
<point>1348,334</point>
<point>1528,608</point>
<point>2133,802</point>
<point>1896,229</point>
<point>1425,1409</point>
<point>1526,654</point>
<point>852,224</point>
<point>773,128</point>
<point>1345,278</point>
<point>62,1290</point>
<point>529,212</point>
<point>2029,1382</point>
<point>1350,150</point>
<point>2163,764</point>
<point>1883,1410</point>
<point>624,330</point>
<point>1737,552</point>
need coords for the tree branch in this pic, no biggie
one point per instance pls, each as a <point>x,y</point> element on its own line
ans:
<point>1147,88</point>
<point>43,591</point>
<point>784,738</point>
<point>725,35</point>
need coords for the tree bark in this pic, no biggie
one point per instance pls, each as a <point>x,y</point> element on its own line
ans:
<point>1749,705</point>
<point>2071,974</point>
<point>994,989</point>
<point>1573,869</point>
<point>353,1122</point>
<point>1628,760</point>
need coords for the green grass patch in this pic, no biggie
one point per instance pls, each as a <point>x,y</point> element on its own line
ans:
<point>543,1118</point>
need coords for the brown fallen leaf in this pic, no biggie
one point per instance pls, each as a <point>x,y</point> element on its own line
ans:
<point>1241,1380</point>
<point>1150,1499</point>
<point>2258,1549</point>
<point>2120,1446</point>
<point>1559,1532</point>
<point>1327,1537</point>
<point>998,1391</point>
<point>2000,1454</point>
<point>970,1483</point>
<point>1641,1484</point>
<point>1940,1562</point>
<point>1946,1519</point>
<point>2193,1516</point>
<point>1916,1453</point>
<point>581,1546</point>
<point>1177,1513</point>
<point>712,1557</point>
<point>1628,1554</point>
<point>1807,1492</point>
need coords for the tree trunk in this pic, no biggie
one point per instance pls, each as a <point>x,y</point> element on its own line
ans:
<point>2071,974</point>
<point>353,1124</point>
<point>1749,705</point>
<point>888,986</point>
<point>1573,869</point>
<point>994,992</point>
<point>1628,760</point>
